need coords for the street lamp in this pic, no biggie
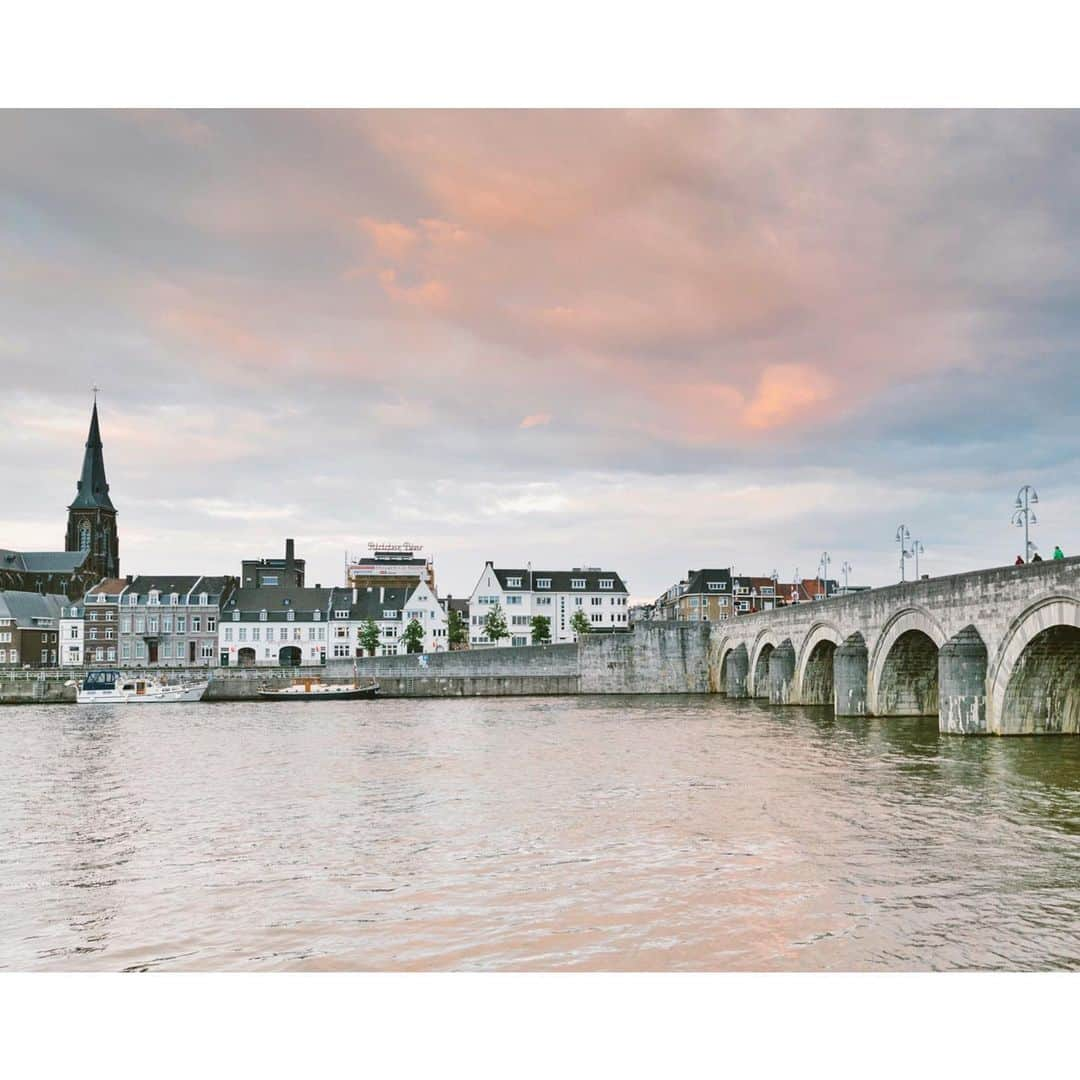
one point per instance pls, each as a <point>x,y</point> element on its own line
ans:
<point>845,570</point>
<point>917,549</point>
<point>902,538</point>
<point>1026,497</point>
<point>823,572</point>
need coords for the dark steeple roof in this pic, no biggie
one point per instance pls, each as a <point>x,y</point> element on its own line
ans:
<point>93,487</point>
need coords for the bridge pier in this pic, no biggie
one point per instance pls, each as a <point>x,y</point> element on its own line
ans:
<point>738,671</point>
<point>962,684</point>
<point>850,666</point>
<point>781,673</point>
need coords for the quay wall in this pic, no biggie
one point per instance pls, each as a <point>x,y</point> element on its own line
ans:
<point>656,658</point>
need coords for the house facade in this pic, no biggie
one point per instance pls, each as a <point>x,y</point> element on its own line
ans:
<point>30,629</point>
<point>556,594</point>
<point>171,620</point>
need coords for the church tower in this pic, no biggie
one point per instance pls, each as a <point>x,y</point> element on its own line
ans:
<point>92,516</point>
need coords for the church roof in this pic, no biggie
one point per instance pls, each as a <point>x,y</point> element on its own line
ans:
<point>42,562</point>
<point>93,488</point>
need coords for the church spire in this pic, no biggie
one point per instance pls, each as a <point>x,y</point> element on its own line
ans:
<point>93,488</point>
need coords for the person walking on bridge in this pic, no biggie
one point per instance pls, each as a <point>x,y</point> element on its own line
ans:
<point>1036,557</point>
<point>1058,553</point>
<point>1019,560</point>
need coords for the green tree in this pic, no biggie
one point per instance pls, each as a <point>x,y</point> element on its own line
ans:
<point>541,629</point>
<point>413,637</point>
<point>369,637</point>
<point>495,625</point>
<point>456,630</point>
<point>580,623</point>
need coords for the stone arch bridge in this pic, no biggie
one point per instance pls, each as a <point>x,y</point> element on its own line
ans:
<point>994,651</point>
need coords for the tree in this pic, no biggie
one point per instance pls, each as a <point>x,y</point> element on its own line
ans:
<point>413,637</point>
<point>541,629</point>
<point>456,630</point>
<point>369,637</point>
<point>580,623</point>
<point>495,625</point>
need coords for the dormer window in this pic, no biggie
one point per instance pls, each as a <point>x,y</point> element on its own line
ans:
<point>577,583</point>
<point>607,583</point>
<point>133,599</point>
<point>262,615</point>
<point>316,616</point>
<point>204,599</point>
<point>290,615</point>
<point>543,583</point>
<point>717,586</point>
<point>341,614</point>
<point>389,614</point>
<point>235,616</point>
<point>174,599</point>
<point>513,583</point>
<point>154,597</point>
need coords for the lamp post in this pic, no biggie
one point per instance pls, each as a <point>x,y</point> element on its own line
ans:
<point>916,550</point>
<point>1023,515</point>
<point>823,573</point>
<point>902,538</point>
<point>845,570</point>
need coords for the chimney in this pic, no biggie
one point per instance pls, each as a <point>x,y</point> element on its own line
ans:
<point>290,559</point>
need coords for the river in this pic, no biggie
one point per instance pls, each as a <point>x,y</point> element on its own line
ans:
<point>664,833</point>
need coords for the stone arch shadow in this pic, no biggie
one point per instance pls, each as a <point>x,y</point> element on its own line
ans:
<point>902,677</point>
<point>758,679</point>
<point>814,673</point>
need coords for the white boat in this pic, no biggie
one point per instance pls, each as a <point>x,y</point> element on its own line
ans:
<point>115,688</point>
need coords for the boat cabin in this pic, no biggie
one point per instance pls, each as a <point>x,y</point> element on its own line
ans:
<point>101,680</point>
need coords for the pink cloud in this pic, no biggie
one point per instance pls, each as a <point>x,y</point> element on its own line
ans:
<point>536,420</point>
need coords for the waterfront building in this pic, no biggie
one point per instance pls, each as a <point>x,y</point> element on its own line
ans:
<point>72,629</point>
<point>171,620</point>
<point>390,566</point>
<point>556,594</point>
<point>260,573</point>
<point>30,628</point>
<point>276,626</point>
<point>101,631</point>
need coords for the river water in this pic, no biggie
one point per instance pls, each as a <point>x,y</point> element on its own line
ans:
<point>667,833</point>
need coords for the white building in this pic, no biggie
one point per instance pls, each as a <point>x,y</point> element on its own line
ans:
<point>557,594</point>
<point>71,635</point>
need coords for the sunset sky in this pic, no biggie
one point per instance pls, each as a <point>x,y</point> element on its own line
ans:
<point>646,341</point>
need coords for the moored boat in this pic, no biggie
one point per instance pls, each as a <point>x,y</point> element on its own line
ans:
<point>111,687</point>
<point>313,689</point>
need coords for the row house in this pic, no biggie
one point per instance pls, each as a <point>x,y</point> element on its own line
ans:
<point>90,632</point>
<point>30,628</point>
<point>556,594</point>
<point>290,627</point>
<point>171,620</point>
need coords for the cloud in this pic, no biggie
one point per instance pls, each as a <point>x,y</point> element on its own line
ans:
<point>535,420</point>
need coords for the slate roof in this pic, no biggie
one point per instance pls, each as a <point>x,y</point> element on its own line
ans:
<point>93,488</point>
<point>560,580</point>
<point>24,607</point>
<point>278,600</point>
<point>698,580</point>
<point>42,562</point>
<point>179,583</point>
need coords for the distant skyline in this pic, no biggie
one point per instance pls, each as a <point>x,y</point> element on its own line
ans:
<point>651,341</point>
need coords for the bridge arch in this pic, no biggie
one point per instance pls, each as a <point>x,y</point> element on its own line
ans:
<point>814,674</point>
<point>903,672</point>
<point>762,649</point>
<point>1034,682</point>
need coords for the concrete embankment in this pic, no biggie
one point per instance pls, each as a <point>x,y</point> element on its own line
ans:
<point>659,658</point>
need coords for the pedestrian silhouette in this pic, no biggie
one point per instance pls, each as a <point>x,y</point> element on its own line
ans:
<point>1019,561</point>
<point>1036,557</point>
<point>1058,553</point>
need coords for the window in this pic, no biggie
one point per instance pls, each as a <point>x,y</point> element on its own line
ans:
<point>607,583</point>
<point>133,599</point>
<point>296,634</point>
<point>340,614</point>
<point>340,631</point>
<point>316,615</point>
<point>577,583</point>
<point>196,624</point>
<point>717,586</point>
<point>269,634</point>
<point>211,623</point>
<point>84,537</point>
<point>204,599</point>
<point>256,631</point>
<point>125,625</point>
<point>519,641</point>
<point>389,614</point>
<point>153,597</point>
<point>140,625</point>
<point>596,601</point>
<point>262,615</point>
<point>174,599</point>
<point>515,599</point>
<point>140,650</point>
<point>242,634</point>
<point>543,583</point>
<point>543,601</point>
<point>596,617</point>
<point>290,615</point>
<point>269,579</point>
<point>125,651</point>
<point>519,620</point>
<point>342,649</point>
<point>166,624</point>
<point>311,633</point>
<point>228,633</point>
<point>513,583</point>
<point>152,625</point>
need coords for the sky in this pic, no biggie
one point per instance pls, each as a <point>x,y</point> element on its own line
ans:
<point>644,341</point>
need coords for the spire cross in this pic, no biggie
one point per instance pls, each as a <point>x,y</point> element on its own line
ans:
<point>95,389</point>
